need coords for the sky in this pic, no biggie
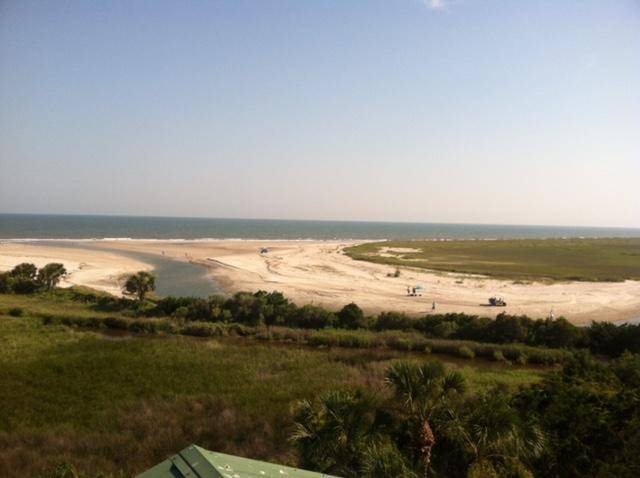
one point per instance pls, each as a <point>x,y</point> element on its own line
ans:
<point>472,111</point>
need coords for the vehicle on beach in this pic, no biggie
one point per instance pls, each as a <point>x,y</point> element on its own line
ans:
<point>415,291</point>
<point>497,302</point>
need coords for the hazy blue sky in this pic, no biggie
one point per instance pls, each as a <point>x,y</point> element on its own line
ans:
<point>524,112</point>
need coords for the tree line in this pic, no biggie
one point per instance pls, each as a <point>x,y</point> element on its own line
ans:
<point>26,278</point>
<point>274,309</point>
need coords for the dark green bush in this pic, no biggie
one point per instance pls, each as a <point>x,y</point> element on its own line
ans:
<point>116,323</point>
<point>393,321</point>
<point>350,317</point>
<point>312,317</point>
<point>16,312</point>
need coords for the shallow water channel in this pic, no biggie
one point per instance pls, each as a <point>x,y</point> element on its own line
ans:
<point>173,277</point>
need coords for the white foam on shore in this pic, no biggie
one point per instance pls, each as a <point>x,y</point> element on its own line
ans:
<point>176,240</point>
<point>279,239</point>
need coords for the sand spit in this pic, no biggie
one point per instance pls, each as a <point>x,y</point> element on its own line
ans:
<point>320,273</point>
<point>101,270</point>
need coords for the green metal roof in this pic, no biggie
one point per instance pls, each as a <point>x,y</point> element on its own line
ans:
<point>196,462</point>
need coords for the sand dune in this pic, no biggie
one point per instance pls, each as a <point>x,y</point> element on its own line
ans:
<point>319,273</point>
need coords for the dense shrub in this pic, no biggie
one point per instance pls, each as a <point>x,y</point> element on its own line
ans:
<point>199,310</point>
<point>610,339</point>
<point>312,317</point>
<point>350,317</point>
<point>508,329</point>
<point>272,309</point>
<point>117,323</point>
<point>393,321</point>
<point>168,305</point>
<point>5,283</point>
<point>23,285</point>
<point>590,415</point>
<point>445,330</point>
<point>16,312</point>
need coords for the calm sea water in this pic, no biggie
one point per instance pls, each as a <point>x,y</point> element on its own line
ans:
<point>28,226</point>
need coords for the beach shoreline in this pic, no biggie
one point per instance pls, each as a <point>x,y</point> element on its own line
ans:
<point>318,272</point>
<point>101,270</point>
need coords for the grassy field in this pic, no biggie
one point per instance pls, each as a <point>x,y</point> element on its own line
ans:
<point>120,404</point>
<point>527,259</point>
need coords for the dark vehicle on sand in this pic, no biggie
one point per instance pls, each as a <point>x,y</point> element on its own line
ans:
<point>497,302</point>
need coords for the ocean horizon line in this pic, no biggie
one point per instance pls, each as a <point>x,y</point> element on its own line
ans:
<point>345,221</point>
<point>301,239</point>
<point>32,227</point>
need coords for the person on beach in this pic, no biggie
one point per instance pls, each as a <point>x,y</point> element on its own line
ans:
<point>433,305</point>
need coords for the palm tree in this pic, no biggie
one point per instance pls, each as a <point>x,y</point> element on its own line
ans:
<point>51,274</point>
<point>491,434</point>
<point>423,389</point>
<point>334,433</point>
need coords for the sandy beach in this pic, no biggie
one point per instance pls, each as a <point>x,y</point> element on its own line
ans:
<point>100,270</point>
<point>320,273</point>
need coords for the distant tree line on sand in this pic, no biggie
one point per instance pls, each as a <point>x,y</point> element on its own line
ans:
<point>274,309</point>
<point>270,309</point>
<point>26,278</point>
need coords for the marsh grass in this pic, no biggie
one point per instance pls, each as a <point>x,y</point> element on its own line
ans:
<point>608,260</point>
<point>96,401</point>
<point>64,388</point>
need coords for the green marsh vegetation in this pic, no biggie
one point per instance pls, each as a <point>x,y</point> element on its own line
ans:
<point>91,381</point>
<point>97,401</point>
<point>611,260</point>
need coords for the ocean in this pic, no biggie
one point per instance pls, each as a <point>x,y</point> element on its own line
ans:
<point>37,226</point>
